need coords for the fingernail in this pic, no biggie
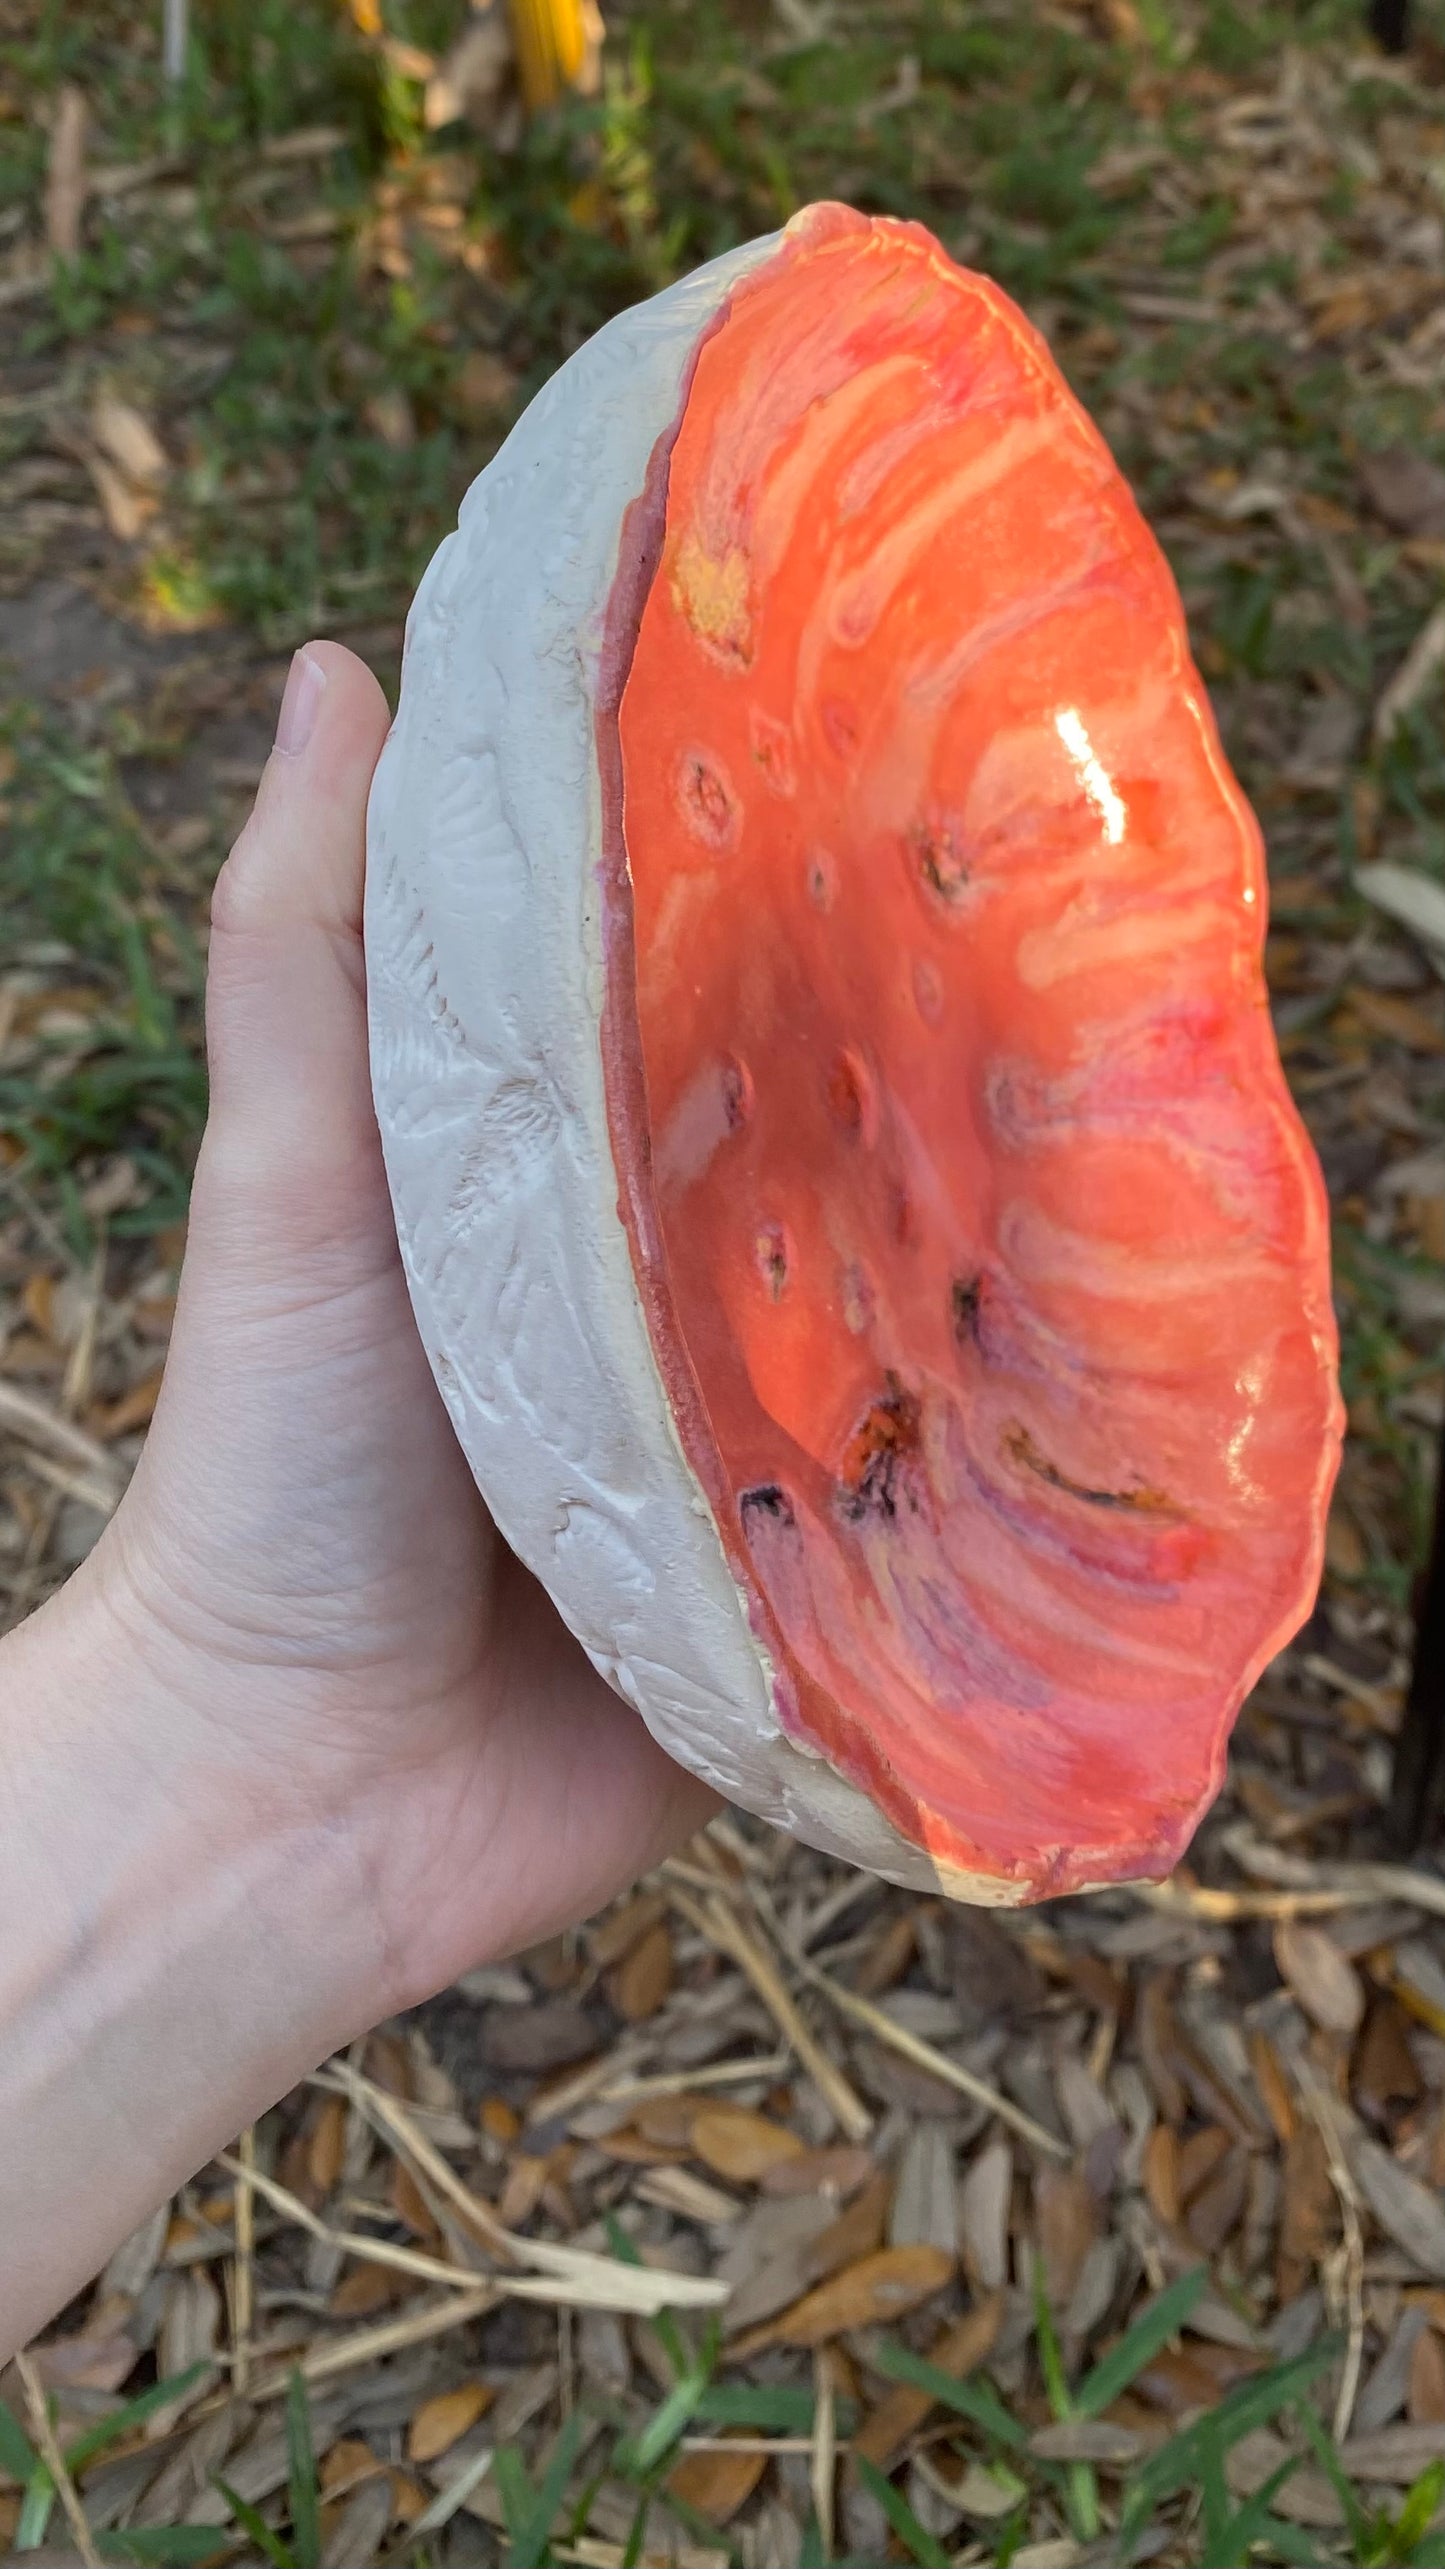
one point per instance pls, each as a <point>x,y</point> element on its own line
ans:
<point>305,686</point>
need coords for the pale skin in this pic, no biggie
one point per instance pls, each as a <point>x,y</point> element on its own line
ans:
<point>301,1740</point>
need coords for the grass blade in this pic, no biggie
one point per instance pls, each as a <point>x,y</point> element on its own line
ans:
<point>638,2534</point>
<point>18,2456</point>
<point>254,2525</point>
<point>1254,2520</point>
<point>35,2510</point>
<point>811,2555</point>
<point>1322,2447</point>
<point>165,2542</point>
<point>1051,2362</point>
<point>623,2248</point>
<point>304,2496</point>
<point>772,2408</point>
<point>1289,2542</point>
<point>515,2490</point>
<point>530,2547</point>
<point>1147,2337</point>
<point>1248,2405</point>
<point>975,2400</point>
<point>1422,2499</point>
<point>639,2455</point>
<point>1081,2486</point>
<point>1214,2500</point>
<point>109,2430</point>
<point>919,2544</point>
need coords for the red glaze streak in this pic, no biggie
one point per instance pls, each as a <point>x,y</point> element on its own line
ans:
<point>983,1253</point>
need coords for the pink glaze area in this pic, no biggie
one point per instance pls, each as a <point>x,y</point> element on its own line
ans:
<point>983,1254</point>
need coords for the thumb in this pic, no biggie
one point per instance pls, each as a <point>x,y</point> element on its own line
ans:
<point>291,1156</point>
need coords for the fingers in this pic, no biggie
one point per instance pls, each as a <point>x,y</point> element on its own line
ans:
<point>301,855</point>
<point>285,1001</point>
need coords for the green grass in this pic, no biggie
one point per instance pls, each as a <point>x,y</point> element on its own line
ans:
<point>1183,2481</point>
<point>80,873</point>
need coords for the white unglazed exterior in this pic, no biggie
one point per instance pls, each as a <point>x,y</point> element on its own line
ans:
<point>486,984</point>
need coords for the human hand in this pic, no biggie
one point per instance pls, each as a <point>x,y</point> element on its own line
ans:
<point>301,1740</point>
<point>303,1547</point>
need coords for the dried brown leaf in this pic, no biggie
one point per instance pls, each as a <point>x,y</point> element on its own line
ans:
<point>1419,1983</point>
<point>1407,2211</point>
<point>125,509</point>
<point>1426,2397</point>
<point>1383,2070</point>
<point>65,187</point>
<point>1199,2157</point>
<point>1403,1021</point>
<point>1325,1983</point>
<point>96,2360</point>
<point>1307,2209</point>
<point>614,1936</point>
<point>327,2145</point>
<point>878,2289</point>
<point>1273,2086</point>
<point>347,2465</point>
<point>439,2422</point>
<point>1215,2209</point>
<point>367,2289</point>
<point>1178,2380</point>
<point>796,2252</point>
<point>983,2215</point>
<point>411,2206</point>
<point>682,2190</point>
<point>1158,2037</point>
<point>135,1408</point>
<point>888,1956</point>
<point>643,1979</point>
<point>739,2145</point>
<point>551,2035</point>
<point>353,2538</point>
<point>1404,488</point>
<point>1160,2172</point>
<point>526,2183</point>
<point>718,2484</point>
<point>1067,2221</point>
<point>837,2170</point>
<point>959,2351</point>
<point>924,2206</point>
<point>126,437</point>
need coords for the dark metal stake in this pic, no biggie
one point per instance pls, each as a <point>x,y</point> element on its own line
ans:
<point>1417,1797</point>
<point>1390,24</point>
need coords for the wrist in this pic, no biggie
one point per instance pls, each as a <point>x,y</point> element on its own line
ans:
<point>175,1952</point>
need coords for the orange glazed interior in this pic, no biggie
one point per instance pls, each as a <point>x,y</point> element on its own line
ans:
<point>983,1253</point>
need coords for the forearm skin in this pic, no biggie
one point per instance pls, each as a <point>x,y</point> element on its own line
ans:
<point>150,1929</point>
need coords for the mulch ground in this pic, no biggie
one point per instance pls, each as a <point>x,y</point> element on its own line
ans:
<point>659,2202</point>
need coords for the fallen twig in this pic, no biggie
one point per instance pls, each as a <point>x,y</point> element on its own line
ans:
<point>561,2273</point>
<point>243,2271</point>
<point>912,2047</point>
<point>714,1919</point>
<point>22,1415</point>
<point>1352,2250</point>
<point>1349,1885</point>
<point>48,2443</point>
